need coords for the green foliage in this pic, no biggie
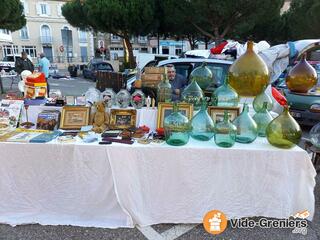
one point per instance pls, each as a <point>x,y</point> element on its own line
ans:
<point>303,19</point>
<point>11,15</point>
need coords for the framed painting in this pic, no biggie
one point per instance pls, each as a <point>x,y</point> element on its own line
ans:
<point>165,109</point>
<point>122,118</point>
<point>217,113</point>
<point>74,117</point>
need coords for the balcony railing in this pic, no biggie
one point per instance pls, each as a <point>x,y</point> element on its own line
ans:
<point>46,39</point>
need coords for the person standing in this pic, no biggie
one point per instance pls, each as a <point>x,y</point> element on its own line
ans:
<point>44,65</point>
<point>23,63</point>
<point>177,81</point>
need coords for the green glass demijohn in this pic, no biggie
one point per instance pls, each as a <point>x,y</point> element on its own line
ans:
<point>225,96</point>
<point>225,132</point>
<point>164,91</point>
<point>176,128</point>
<point>247,129</point>
<point>262,119</point>
<point>203,76</point>
<point>192,94</point>
<point>260,99</point>
<point>284,131</point>
<point>202,124</point>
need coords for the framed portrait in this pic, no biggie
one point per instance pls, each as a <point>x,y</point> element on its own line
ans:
<point>74,117</point>
<point>165,109</point>
<point>217,113</point>
<point>122,118</point>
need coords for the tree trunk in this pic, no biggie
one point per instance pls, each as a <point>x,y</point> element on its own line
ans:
<point>129,60</point>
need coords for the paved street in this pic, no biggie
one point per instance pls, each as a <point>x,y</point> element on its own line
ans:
<point>78,86</point>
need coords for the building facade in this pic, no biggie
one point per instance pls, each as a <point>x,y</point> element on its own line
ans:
<point>48,32</point>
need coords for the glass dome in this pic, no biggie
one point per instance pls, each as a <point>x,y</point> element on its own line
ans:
<point>109,97</point>
<point>92,95</point>
<point>123,98</point>
<point>138,99</point>
<point>315,135</point>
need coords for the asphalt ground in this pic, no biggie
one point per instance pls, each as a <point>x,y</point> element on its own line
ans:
<point>78,86</point>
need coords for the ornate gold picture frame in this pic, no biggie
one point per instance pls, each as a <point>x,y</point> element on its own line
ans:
<point>165,109</point>
<point>74,117</point>
<point>122,118</point>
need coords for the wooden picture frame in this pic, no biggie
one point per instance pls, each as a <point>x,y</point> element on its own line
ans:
<point>122,118</point>
<point>74,117</point>
<point>70,100</point>
<point>164,109</point>
<point>216,113</point>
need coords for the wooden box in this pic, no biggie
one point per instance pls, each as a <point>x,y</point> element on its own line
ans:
<point>154,70</point>
<point>113,80</point>
<point>151,80</point>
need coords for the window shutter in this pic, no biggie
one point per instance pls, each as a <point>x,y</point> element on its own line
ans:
<point>48,9</point>
<point>38,8</point>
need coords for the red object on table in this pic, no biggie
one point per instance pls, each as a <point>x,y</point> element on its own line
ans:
<point>36,78</point>
<point>145,128</point>
<point>160,131</point>
<point>279,97</point>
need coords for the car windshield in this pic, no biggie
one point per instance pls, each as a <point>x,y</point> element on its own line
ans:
<point>8,59</point>
<point>104,66</point>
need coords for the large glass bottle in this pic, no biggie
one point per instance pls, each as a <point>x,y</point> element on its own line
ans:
<point>247,130</point>
<point>284,131</point>
<point>176,128</point>
<point>192,94</point>
<point>302,77</point>
<point>164,93</point>
<point>203,76</point>
<point>202,124</point>
<point>225,132</point>
<point>123,98</point>
<point>260,99</point>
<point>249,74</point>
<point>225,96</point>
<point>262,119</point>
<point>138,99</point>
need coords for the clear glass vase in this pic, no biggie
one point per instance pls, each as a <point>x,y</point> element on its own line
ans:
<point>203,76</point>
<point>138,99</point>
<point>247,129</point>
<point>262,119</point>
<point>176,128</point>
<point>225,132</point>
<point>164,92</point>
<point>249,74</point>
<point>123,98</point>
<point>284,131</point>
<point>192,94</point>
<point>202,124</point>
<point>225,96</point>
<point>260,99</point>
<point>108,97</point>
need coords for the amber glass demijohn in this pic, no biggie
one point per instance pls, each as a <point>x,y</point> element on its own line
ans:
<point>302,77</point>
<point>249,74</point>
<point>284,131</point>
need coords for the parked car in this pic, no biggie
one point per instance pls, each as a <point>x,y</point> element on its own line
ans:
<point>8,62</point>
<point>90,71</point>
<point>184,66</point>
<point>304,107</point>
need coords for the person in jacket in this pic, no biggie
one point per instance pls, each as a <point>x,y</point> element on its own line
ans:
<point>23,63</point>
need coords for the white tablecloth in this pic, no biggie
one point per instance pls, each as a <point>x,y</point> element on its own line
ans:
<point>122,185</point>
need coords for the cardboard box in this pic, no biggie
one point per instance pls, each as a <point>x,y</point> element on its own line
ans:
<point>154,70</point>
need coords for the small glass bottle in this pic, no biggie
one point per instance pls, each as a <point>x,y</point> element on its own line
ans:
<point>225,132</point>
<point>225,96</point>
<point>164,93</point>
<point>202,124</point>
<point>176,128</point>
<point>192,94</point>
<point>284,131</point>
<point>262,119</point>
<point>247,129</point>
